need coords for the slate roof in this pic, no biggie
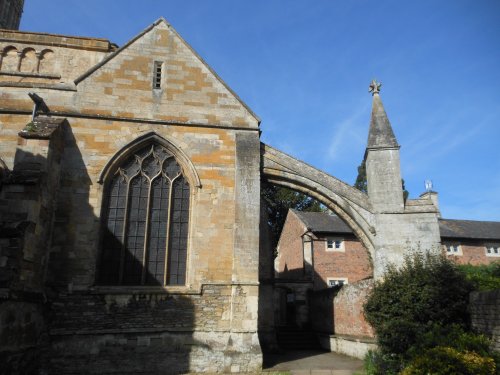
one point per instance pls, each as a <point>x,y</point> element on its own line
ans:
<point>469,229</point>
<point>320,222</point>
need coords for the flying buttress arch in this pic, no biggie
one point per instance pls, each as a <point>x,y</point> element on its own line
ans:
<point>349,203</point>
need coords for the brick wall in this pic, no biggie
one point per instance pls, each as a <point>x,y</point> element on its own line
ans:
<point>484,309</point>
<point>290,260</point>
<point>353,263</point>
<point>473,252</point>
<point>340,311</point>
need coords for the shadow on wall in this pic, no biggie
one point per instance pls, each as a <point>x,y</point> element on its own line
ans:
<point>23,331</point>
<point>337,310</point>
<point>121,328</point>
<point>91,328</point>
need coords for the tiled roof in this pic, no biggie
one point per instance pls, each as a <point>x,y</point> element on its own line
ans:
<point>466,229</point>
<point>322,222</point>
<point>469,229</point>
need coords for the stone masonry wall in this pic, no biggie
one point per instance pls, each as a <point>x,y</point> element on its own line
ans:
<point>209,324</point>
<point>47,59</point>
<point>484,309</point>
<point>159,332</point>
<point>90,145</point>
<point>26,212</point>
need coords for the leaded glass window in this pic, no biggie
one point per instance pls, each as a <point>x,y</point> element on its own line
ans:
<point>146,217</point>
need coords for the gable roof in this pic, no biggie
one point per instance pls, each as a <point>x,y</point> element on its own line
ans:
<point>469,229</point>
<point>321,222</point>
<point>141,34</point>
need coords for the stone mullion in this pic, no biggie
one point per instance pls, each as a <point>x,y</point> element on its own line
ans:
<point>38,61</point>
<point>20,55</point>
<point>167,242</point>
<point>146,234</point>
<point>124,231</point>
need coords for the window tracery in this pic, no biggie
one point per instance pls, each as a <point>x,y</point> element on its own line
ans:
<point>146,219</point>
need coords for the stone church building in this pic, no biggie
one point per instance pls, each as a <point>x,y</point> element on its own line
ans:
<point>130,208</point>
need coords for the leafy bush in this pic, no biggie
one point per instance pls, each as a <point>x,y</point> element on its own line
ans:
<point>453,336</point>
<point>483,277</point>
<point>378,363</point>
<point>449,361</point>
<point>426,291</point>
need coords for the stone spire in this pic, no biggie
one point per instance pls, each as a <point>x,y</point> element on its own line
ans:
<point>383,174</point>
<point>380,134</point>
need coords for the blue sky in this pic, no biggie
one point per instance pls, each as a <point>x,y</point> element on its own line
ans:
<point>304,68</point>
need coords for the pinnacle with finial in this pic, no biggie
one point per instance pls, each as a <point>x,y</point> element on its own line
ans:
<point>374,87</point>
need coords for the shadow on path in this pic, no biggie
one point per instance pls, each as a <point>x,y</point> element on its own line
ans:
<point>309,360</point>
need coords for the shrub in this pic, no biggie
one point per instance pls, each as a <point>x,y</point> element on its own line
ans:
<point>448,361</point>
<point>378,363</point>
<point>483,277</point>
<point>426,291</point>
<point>453,336</point>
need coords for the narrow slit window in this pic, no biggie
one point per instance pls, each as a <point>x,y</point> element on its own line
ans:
<point>157,75</point>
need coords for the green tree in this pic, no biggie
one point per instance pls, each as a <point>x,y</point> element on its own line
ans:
<point>406,193</point>
<point>361,183</point>
<point>279,200</point>
<point>483,277</point>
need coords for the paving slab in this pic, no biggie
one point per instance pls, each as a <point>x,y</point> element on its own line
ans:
<point>310,362</point>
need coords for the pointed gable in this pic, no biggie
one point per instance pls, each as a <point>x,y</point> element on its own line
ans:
<point>124,84</point>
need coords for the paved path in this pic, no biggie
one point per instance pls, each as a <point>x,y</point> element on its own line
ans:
<point>308,362</point>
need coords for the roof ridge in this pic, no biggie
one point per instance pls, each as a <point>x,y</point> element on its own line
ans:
<point>468,220</point>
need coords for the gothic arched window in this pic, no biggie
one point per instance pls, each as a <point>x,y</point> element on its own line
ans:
<point>145,221</point>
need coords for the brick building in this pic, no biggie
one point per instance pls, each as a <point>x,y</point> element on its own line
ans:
<point>323,248</point>
<point>471,242</point>
<point>318,253</point>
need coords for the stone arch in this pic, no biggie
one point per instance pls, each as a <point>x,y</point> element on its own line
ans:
<point>9,59</point>
<point>29,61</point>
<point>46,61</point>
<point>179,180</point>
<point>183,160</point>
<point>349,203</point>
